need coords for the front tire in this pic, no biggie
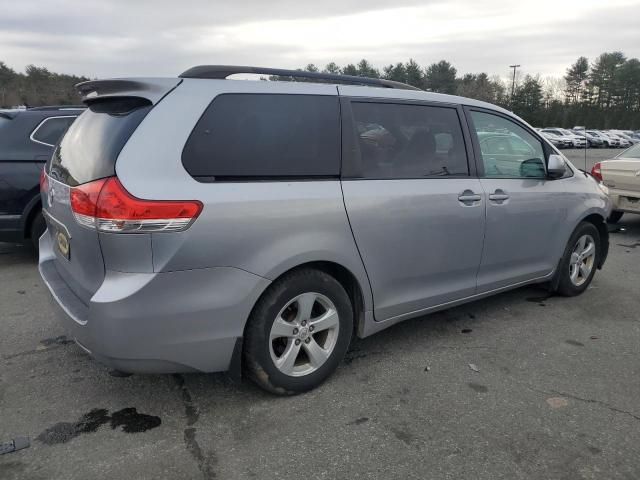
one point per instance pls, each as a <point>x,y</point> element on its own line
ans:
<point>580,260</point>
<point>615,216</point>
<point>298,332</point>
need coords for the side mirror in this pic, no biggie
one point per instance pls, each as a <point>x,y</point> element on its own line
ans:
<point>555,166</point>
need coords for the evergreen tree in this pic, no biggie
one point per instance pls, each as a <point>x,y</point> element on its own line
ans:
<point>441,77</point>
<point>527,100</point>
<point>415,75</point>
<point>332,67</point>
<point>576,78</point>
<point>396,72</point>
<point>604,81</point>
<point>365,69</point>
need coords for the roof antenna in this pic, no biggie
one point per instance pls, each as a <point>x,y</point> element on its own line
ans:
<point>586,144</point>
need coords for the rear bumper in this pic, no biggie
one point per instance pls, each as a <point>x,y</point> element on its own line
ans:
<point>157,322</point>
<point>620,202</point>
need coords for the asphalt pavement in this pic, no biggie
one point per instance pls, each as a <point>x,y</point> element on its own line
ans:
<point>518,386</point>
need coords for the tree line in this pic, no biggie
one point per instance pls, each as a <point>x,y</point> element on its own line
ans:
<point>36,87</point>
<point>604,93</point>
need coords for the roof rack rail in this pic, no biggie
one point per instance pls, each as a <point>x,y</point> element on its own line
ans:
<point>223,71</point>
<point>57,107</point>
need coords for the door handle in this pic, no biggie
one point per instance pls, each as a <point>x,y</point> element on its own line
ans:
<point>468,197</point>
<point>499,196</point>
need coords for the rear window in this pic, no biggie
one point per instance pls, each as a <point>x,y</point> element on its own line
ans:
<point>633,152</point>
<point>244,136</point>
<point>49,131</point>
<point>89,149</point>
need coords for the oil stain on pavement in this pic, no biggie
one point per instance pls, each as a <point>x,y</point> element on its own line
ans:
<point>128,418</point>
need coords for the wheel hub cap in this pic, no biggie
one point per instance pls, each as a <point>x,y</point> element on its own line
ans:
<point>582,260</point>
<point>304,334</point>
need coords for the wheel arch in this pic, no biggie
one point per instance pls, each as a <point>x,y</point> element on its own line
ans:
<point>600,223</point>
<point>344,276</point>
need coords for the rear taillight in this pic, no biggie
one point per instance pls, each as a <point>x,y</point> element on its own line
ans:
<point>105,204</point>
<point>44,182</point>
<point>596,171</point>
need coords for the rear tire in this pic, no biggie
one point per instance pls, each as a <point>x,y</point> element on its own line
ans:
<point>580,260</point>
<point>615,216</point>
<point>38,227</point>
<point>298,332</point>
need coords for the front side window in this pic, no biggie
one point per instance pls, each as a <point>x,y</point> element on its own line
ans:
<point>49,131</point>
<point>270,136</point>
<point>507,149</point>
<point>407,141</point>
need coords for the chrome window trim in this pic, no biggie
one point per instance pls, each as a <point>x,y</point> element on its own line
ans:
<point>35,130</point>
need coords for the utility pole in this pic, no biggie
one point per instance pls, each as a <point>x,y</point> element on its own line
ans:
<point>513,81</point>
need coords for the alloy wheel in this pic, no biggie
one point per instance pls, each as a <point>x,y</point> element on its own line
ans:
<point>304,334</point>
<point>582,260</point>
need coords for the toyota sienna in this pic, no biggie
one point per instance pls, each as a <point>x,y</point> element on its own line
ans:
<point>201,223</point>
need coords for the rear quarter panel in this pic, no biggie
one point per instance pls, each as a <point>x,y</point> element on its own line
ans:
<point>265,228</point>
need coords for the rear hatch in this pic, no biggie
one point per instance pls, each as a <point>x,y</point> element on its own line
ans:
<point>86,154</point>
<point>623,175</point>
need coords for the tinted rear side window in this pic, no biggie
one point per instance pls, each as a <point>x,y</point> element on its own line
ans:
<point>407,141</point>
<point>89,149</point>
<point>242,136</point>
<point>51,129</point>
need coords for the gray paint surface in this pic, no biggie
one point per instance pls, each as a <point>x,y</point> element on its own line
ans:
<point>411,245</point>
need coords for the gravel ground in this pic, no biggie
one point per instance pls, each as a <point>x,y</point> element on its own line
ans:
<point>555,395</point>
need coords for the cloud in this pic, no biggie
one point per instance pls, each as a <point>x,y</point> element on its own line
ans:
<point>144,37</point>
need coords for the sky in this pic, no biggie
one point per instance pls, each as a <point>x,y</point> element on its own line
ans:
<point>118,38</point>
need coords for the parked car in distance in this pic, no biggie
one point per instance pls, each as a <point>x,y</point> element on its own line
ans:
<point>578,140</point>
<point>609,142</point>
<point>27,139</point>
<point>592,140</point>
<point>558,141</point>
<point>621,175</point>
<point>628,137</point>
<point>276,220</point>
<point>623,142</point>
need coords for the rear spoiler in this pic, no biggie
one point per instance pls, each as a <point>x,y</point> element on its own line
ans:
<point>152,89</point>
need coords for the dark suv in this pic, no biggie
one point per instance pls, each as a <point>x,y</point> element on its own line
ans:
<point>27,139</point>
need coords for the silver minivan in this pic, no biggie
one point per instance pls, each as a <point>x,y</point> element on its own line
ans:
<point>201,223</point>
